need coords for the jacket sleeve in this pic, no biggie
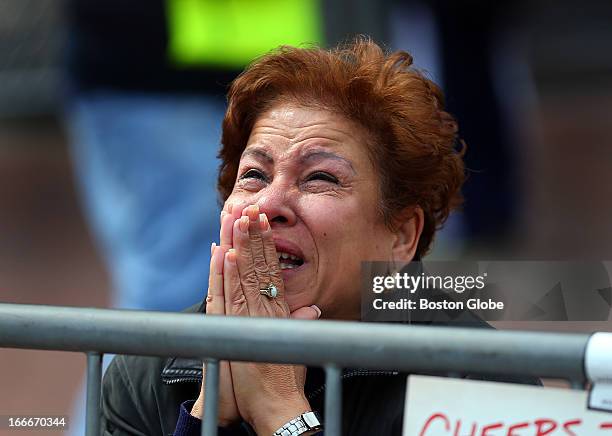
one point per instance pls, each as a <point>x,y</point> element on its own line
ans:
<point>130,403</point>
<point>188,425</point>
<point>122,415</point>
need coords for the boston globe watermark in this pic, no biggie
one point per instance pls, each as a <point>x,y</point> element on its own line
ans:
<point>465,292</point>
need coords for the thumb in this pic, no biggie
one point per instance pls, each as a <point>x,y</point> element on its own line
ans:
<point>308,312</point>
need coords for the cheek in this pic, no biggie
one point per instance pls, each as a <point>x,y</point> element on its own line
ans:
<point>346,231</point>
<point>330,220</point>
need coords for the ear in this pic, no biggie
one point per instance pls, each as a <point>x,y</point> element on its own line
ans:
<point>409,226</point>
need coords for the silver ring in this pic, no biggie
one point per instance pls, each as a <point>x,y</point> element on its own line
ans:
<point>270,291</point>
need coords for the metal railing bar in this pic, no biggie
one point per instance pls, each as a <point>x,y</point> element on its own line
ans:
<point>346,344</point>
<point>211,398</point>
<point>333,401</point>
<point>94,380</point>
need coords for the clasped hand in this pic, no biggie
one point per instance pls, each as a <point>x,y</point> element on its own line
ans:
<point>264,395</point>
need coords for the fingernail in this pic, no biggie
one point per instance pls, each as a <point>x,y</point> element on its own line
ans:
<point>253,212</point>
<point>263,222</point>
<point>316,308</point>
<point>212,248</point>
<point>231,255</point>
<point>243,224</point>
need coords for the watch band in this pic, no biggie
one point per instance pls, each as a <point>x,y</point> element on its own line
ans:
<point>305,422</point>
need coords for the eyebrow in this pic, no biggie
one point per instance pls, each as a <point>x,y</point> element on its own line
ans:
<point>320,155</point>
<point>258,153</point>
<point>312,156</point>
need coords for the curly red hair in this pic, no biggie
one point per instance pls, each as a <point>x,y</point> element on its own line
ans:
<point>412,139</point>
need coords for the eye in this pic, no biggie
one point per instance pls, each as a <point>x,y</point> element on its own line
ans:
<point>254,174</point>
<point>320,175</point>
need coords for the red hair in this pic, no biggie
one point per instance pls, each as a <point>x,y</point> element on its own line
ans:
<point>412,139</point>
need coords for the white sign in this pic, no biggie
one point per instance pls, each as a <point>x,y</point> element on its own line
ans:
<point>453,407</point>
<point>598,367</point>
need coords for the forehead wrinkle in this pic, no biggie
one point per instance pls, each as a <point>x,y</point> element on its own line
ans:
<point>291,125</point>
<point>290,122</point>
<point>265,141</point>
<point>303,137</point>
<point>328,132</point>
<point>300,133</point>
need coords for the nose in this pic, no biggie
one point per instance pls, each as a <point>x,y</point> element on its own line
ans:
<point>275,202</point>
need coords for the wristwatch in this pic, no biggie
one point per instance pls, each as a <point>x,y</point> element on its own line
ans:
<point>306,422</point>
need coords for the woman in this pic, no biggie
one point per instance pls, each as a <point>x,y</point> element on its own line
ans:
<point>330,158</point>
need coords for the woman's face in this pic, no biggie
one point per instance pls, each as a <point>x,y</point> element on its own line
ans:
<point>309,172</point>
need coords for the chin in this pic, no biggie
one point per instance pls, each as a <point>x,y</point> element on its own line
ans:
<point>297,295</point>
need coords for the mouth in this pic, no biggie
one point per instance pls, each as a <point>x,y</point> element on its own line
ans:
<point>290,256</point>
<point>289,261</point>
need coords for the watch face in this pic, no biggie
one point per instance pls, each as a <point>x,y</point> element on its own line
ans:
<point>311,420</point>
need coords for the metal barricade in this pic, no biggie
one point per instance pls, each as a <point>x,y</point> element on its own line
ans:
<point>332,345</point>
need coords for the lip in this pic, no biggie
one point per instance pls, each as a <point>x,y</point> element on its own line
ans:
<point>285,246</point>
<point>288,247</point>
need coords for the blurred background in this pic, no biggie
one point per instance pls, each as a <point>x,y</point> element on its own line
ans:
<point>109,126</point>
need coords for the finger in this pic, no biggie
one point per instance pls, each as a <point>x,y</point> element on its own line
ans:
<point>246,266</point>
<point>235,301</point>
<point>215,300</point>
<point>271,255</point>
<point>225,235</point>
<point>257,247</point>
<point>227,207</point>
<point>309,313</point>
<point>236,209</point>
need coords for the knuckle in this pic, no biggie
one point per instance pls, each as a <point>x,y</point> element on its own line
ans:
<point>271,252</point>
<point>274,270</point>
<point>255,238</point>
<point>259,256</point>
<point>261,269</point>
<point>250,278</point>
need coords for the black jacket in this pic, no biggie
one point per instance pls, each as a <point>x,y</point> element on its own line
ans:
<point>142,395</point>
